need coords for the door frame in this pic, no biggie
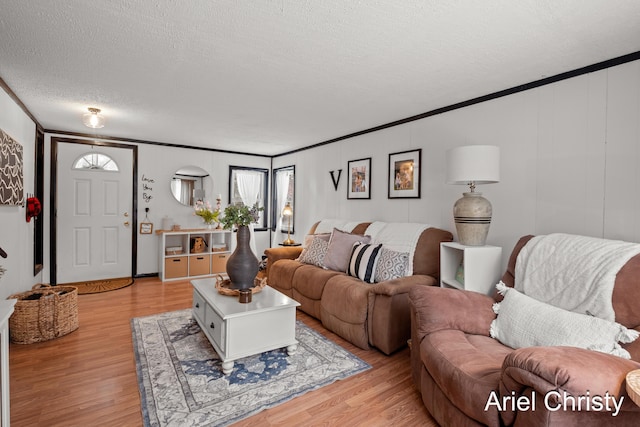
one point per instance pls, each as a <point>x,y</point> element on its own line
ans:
<point>53,201</point>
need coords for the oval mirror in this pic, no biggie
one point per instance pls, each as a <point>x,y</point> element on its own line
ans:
<point>190,184</point>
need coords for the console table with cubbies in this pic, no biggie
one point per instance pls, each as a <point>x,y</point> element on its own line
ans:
<point>177,262</point>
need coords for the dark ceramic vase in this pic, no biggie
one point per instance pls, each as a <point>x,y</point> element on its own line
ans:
<point>242,265</point>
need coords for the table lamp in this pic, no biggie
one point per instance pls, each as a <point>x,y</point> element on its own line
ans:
<point>472,165</point>
<point>288,212</point>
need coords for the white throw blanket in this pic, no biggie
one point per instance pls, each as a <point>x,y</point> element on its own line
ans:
<point>576,273</point>
<point>327,225</point>
<point>397,236</point>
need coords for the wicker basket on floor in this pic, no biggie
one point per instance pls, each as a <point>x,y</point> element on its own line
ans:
<point>44,313</point>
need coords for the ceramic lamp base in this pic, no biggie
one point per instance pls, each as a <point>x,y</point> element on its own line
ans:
<point>472,215</point>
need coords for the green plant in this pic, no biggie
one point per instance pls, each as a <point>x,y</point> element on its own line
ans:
<point>204,210</point>
<point>240,214</point>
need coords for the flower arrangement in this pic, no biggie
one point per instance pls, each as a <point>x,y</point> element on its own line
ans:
<point>240,214</point>
<point>206,212</point>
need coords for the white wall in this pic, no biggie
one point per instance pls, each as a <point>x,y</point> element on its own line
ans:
<point>570,162</point>
<point>16,235</point>
<point>159,164</point>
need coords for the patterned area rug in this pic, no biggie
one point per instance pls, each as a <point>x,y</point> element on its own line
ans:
<point>181,381</point>
<point>105,285</point>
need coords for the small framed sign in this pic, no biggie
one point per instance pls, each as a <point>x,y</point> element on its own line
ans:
<point>146,228</point>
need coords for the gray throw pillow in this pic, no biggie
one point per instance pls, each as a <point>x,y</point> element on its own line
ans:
<point>340,247</point>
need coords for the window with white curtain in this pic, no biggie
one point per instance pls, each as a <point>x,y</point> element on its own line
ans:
<point>250,186</point>
<point>283,192</point>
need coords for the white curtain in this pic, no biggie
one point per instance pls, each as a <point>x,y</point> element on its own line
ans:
<point>182,189</point>
<point>249,189</point>
<point>282,186</point>
<point>187,192</point>
<point>176,188</point>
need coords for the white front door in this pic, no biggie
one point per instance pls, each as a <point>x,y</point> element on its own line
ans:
<point>94,207</point>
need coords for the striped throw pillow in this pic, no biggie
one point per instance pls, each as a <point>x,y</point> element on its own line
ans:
<point>363,261</point>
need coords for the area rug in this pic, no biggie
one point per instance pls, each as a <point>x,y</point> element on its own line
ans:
<point>182,384</point>
<point>105,285</point>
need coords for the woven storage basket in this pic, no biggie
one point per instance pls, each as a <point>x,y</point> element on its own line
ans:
<point>44,313</point>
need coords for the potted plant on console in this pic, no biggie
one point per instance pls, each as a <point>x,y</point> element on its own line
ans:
<point>207,213</point>
<point>242,265</point>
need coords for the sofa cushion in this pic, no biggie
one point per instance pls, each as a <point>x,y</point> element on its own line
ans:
<point>467,368</point>
<point>281,275</point>
<point>426,258</point>
<point>364,257</point>
<point>391,265</point>
<point>315,253</point>
<point>308,286</point>
<point>310,280</point>
<point>339,250</point>
<point>524,322</point>
<point>344,308</point>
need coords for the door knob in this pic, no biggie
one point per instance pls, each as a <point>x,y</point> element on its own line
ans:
<point>126,214</point>
<point>126,223</point>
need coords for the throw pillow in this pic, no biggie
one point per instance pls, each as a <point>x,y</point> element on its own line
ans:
<point>307,241</point>
<point>364,258</point>
<point>391,265</point>
<point>524,322</point>
<point>309,238</point>
<point>339,251</point>
<point>315,253</point>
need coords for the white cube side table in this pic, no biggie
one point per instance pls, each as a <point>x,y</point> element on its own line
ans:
<point>481,266</point>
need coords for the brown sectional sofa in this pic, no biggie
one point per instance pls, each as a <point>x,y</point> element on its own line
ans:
<point>456,365</point>
<point>368,315</point>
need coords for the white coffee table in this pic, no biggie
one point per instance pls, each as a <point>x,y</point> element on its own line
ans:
<point>238,330</point>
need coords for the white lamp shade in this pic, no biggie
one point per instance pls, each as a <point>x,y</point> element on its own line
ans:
<point>479,164</point>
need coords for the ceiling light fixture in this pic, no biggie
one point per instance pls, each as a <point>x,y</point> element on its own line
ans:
<point>93,118</point>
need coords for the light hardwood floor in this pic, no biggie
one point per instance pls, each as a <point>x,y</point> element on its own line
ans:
<point>88,378</point>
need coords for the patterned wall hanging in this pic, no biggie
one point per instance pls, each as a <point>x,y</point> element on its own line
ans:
<point>11,176</point>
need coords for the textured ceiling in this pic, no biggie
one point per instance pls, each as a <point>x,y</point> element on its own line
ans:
<point>267,77</point>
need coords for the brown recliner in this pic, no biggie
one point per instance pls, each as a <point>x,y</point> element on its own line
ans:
<point>457,366</point>
<point>367,315</point>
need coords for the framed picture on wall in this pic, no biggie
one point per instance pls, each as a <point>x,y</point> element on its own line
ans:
<point>359,179</point>
<point>11,173</point>
<point>146,228</point>
<point>404,174</point>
